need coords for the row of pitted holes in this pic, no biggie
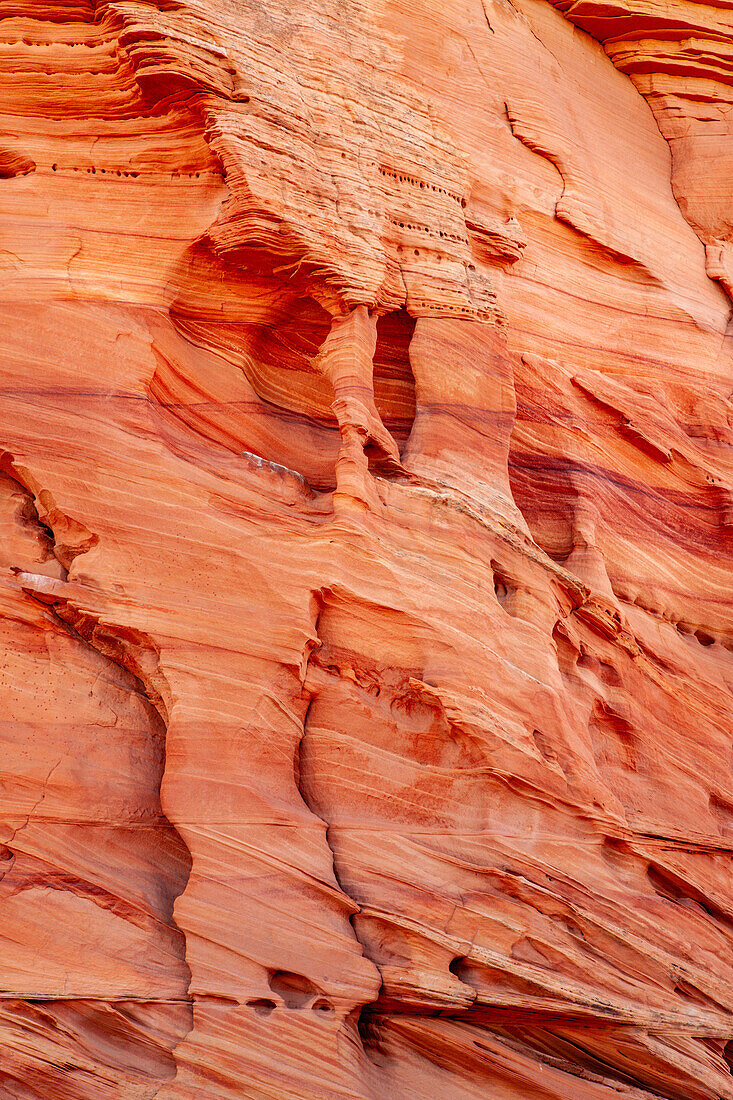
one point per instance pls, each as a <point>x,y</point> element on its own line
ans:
<point>409,225</point>
<point>422,184</point>
<point>134,175</point>
<point>377,213</point>
<point>430,232</point>
<point>405,225</point>
<point>44,45</point>
<point>402,225</point>
<point>447,308</point>
<point>53,45</point>
<point>402,178</point>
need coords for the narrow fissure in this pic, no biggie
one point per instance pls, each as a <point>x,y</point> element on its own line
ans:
<point>394,382</point>
<point>362,1012</point>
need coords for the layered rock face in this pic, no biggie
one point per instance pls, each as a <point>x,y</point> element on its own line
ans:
<point>366,507</point>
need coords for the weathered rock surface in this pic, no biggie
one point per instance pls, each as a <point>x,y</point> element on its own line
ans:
<point>366,498</point>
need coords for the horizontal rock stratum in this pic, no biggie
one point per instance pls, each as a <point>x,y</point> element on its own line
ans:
<point>366,497</point>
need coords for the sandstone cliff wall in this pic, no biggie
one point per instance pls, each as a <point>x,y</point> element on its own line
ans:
<point>365,575</point>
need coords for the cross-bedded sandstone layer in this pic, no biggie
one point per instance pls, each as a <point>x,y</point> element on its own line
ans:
<point>365,573</point>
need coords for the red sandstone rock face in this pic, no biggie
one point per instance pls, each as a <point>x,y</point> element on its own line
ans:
<point>365,574</point>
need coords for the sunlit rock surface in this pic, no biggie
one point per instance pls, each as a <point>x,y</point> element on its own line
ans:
<point>365,573</point>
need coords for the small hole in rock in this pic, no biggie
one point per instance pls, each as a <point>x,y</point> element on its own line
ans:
<point>544,747</point>
<point>462,969</point>
<point>504,590</point>
<point>262,1006</point>
<point>294,990</point>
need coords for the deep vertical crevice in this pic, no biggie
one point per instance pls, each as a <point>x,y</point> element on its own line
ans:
<point>266,396</point>
<point>135,656</point>
<point>394,382</point>
<point>359,1014</point>
<point>728,1055</point>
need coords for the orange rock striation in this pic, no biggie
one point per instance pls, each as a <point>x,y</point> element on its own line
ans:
<point>366,506</point>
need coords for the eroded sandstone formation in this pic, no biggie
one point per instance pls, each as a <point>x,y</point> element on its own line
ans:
<point>366,508</point>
